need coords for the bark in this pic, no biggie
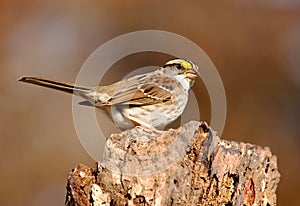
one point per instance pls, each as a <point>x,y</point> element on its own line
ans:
<point>190,165</point>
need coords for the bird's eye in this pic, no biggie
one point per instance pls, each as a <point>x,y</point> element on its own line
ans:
<point>178,66</point>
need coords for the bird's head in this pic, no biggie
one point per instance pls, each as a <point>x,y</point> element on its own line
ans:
<point>183,69</point>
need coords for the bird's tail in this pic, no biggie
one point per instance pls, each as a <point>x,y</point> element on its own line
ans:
<point>58,85</point>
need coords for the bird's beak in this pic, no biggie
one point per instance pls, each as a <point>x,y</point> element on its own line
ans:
<point>192,73</point>
<point>196,70</point>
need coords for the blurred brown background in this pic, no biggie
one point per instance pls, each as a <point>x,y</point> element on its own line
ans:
<point>255,46</point>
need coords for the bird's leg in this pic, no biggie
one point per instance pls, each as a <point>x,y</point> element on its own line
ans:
<point>150,129</point>
<point>144,125</point>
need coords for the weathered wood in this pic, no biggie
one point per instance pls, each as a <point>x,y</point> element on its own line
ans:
<point>190,165</point>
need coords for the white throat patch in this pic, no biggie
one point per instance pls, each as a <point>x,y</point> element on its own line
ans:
<point>185,82</point>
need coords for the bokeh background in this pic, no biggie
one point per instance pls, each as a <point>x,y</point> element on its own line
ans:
<point>255,46</point>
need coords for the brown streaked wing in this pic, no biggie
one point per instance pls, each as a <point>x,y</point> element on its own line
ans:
<point>138,95</point>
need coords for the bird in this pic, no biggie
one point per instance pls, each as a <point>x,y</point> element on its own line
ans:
<point>151,100</point>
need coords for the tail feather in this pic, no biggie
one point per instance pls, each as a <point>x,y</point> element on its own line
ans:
<point>61,86</point>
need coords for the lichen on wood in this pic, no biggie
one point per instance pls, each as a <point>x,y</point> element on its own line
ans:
<point>190,165</point>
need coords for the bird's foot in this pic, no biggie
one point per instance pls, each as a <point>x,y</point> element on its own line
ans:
<point>150,129</point>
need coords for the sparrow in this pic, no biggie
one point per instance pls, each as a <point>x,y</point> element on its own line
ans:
<point>150,100</point>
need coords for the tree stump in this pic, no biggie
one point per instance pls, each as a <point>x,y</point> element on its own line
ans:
<point>190,165</point>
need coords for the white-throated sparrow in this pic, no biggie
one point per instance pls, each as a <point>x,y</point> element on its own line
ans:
<point>153,99</point>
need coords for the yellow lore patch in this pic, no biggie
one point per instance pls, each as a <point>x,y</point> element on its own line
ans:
<point>186,65</point>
